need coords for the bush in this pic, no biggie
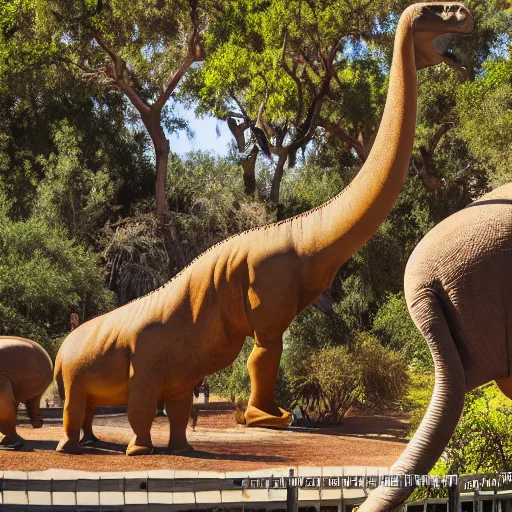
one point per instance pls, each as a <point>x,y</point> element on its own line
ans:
<point>329,380</point>
<point>395,329</point>
<point>71,195</point>
<point>43,278</point>
<point>418,397</point>
<point>136,255</point>
<point>332,385</point>
<point>482,441</point>
<point>206,205</point>
<point>384,377</point>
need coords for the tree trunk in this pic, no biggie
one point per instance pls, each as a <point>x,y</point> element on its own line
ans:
<point>161,146</point>
<point>162,160</point>
<point>248,164</point>
<point>276,180</point>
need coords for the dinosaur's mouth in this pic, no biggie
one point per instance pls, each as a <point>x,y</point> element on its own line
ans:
<point>442,45</point>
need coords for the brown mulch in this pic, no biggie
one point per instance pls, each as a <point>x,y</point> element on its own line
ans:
<point>220,445</point>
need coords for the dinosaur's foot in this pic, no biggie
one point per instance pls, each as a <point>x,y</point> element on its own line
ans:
<point>137,449</point>
<point>70,446</point>
<point>14,442</point>
<point>90,440</point>
<point>37,423</point>
<point>255,417</point>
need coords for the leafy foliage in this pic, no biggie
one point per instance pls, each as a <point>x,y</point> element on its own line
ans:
<point>482,442</point>
<point>43,278</point>
<point>207,205</point>
<point>394,327</point>
<point>329,379</point>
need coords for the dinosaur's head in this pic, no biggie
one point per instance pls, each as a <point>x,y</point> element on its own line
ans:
<point>433,24</point>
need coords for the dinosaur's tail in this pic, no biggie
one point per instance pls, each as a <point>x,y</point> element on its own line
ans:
<point>445,408</point>
<point>57,375</point>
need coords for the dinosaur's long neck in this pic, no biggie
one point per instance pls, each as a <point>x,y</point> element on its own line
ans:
<point>336,230</point>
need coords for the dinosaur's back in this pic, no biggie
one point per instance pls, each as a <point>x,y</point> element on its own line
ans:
<point>178,333</point>
<point>26,364</point>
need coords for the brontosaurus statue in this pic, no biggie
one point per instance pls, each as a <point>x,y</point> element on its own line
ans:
<point>458,287</point>
<point>253,284</point>
<point>26,371</point>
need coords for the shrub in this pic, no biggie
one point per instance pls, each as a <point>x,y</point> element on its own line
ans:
<point>43,278</point>
<point>482,441</point>
<point>71,195</point>
<point>394,328</point>
<point>207,205</point>
<point>332,384</point>
<point>383,373</point>
<point>331,379</point>
<point>136,255</point>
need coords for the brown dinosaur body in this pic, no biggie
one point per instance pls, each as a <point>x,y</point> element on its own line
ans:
<point>26,371</point>
<point>158,347</point>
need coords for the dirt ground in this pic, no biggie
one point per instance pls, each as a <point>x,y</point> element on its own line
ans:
<point>219,445</point>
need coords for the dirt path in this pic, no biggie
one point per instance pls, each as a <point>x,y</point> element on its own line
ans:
<point>220,445</point>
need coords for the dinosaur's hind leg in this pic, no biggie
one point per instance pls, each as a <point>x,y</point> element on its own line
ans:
<point>74,414</point>
<point>88,437</point>
<point>263,364</point>
<point>33,411</point>
<point>8,408</point>
<point>178,411</point>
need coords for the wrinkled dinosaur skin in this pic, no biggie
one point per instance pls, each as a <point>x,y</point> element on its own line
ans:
<point>26,371</point>
<point>159,347</point>
<point>458,287</point>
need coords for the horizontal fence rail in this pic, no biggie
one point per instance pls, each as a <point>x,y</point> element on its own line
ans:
<point>63,490</point>
<point>330,488</point>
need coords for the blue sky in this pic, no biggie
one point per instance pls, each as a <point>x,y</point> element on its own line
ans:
<point>205,134</point>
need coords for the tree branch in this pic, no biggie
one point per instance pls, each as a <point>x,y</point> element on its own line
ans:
<point>116,73</point>
<point>194,53</point>
<point>173,82</point>
<point>244,113</point>
<point>429,180</point>
<point>306,130</point>
<point>352,142</point>
<point>83,68</point>
<point>295,78</point>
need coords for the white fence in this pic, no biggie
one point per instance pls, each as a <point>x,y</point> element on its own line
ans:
<point>64,490</point>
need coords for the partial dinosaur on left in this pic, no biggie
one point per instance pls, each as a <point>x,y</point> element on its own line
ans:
<point>158,347</point>
<point>26,371</point>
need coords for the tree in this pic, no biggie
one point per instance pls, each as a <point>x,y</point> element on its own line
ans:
<point>273,66</point>
<point>43,113</point>
<point>139,49</point>
<point>484,108</point>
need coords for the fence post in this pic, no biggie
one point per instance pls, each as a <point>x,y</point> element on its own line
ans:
<point>454,498</point>
<point>292,495</point>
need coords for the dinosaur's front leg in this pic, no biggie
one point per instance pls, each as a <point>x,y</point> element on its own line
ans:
<point>142,402</point>
<point>178,411</point>
<point>263,364</point>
